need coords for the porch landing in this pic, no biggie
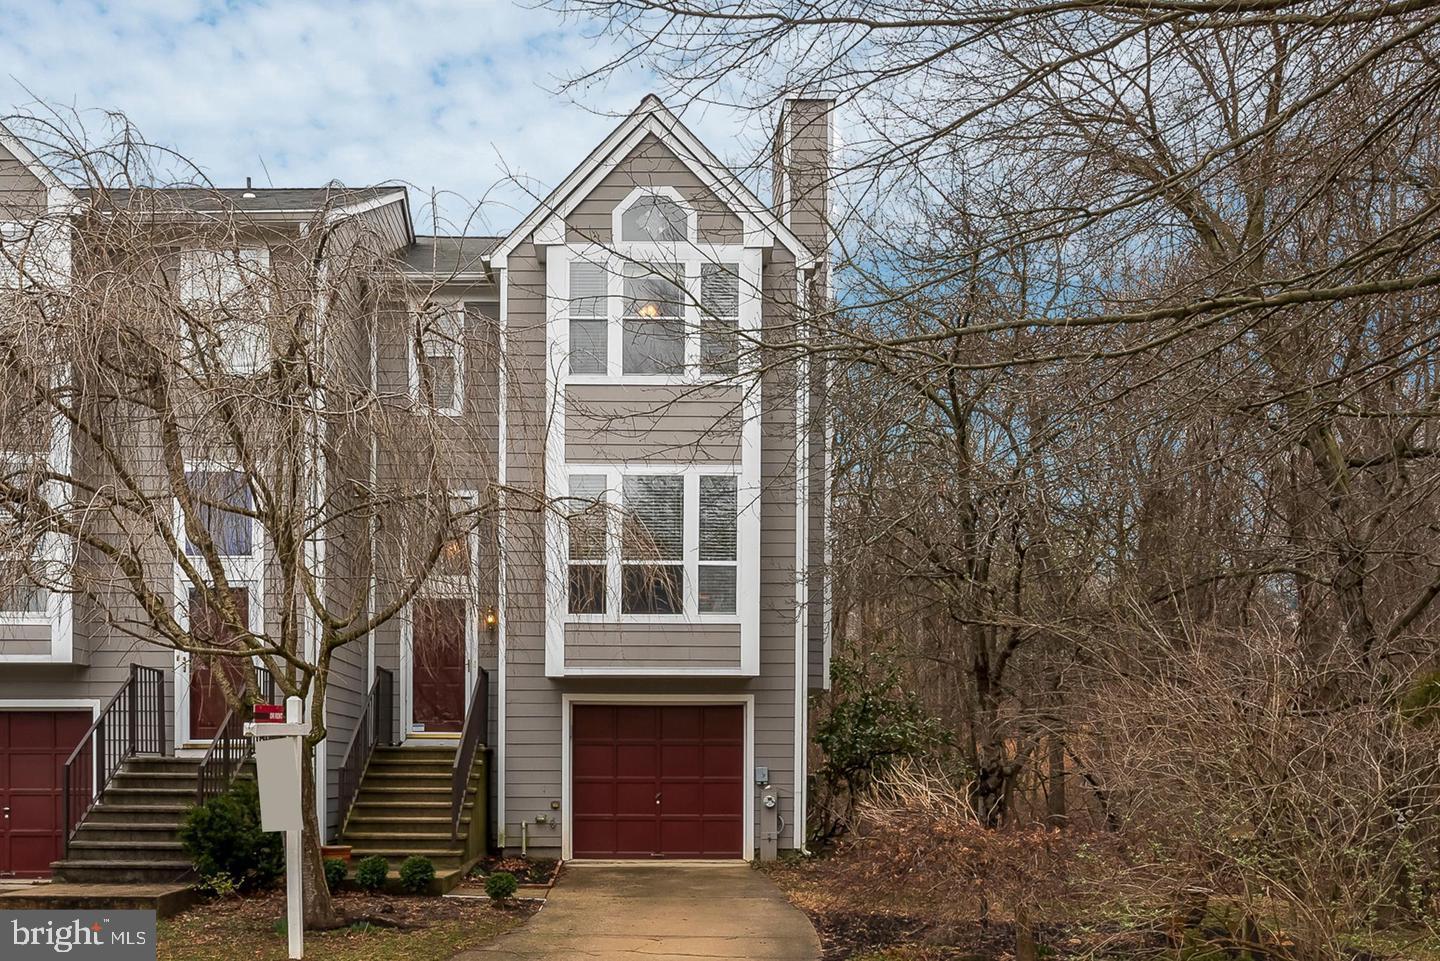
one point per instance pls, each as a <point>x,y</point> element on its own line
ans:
<point>163,899</point>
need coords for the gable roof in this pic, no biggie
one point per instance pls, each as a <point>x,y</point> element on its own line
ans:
<point>249,200</point>
<point>457,257</point>
<point>652,116</point>
<point>59,192</point>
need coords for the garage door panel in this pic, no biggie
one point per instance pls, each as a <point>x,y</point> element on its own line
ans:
<point>682,760</point>
<point>635,723</point>
<point>635,798</point>
<point>690,755</point>
<point>594,760</point>
<point>680,723</point>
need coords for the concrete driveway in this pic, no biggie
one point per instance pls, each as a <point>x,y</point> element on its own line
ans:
<point>660,911</point>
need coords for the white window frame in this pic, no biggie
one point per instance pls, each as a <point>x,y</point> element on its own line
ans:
<point>52,270</point>
<point>241,570</point>
<point>54,551</point>
<point>747,544</point>
<point>692,219</point>
<point>455,346</point>
<point>253,257</point>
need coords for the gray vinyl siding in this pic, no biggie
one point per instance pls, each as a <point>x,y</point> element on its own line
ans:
<point>21,192</point>
<point>652,646</point>
<point>607,423</point>
<point>651,164</point>
<point>533,701</point>
<point>24,640</point>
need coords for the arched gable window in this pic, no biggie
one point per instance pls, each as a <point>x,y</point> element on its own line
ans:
<point>654,218</point>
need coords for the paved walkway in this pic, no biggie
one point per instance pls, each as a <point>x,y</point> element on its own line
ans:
<point>659,912</point>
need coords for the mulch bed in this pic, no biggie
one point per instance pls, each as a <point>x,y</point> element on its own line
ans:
<point>401,911</point>
<point>526,870</point>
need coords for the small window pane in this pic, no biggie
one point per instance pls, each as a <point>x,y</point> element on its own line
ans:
<point>654,347</point>
<point>652,293</point>
<point>439,378</point>
<point>654,517</point>
<point>720,290</point>
<point>587,589</point>
<point>587,290</point>
<point>717,590</point>
<point>652,589</point>
<point>24,598</point>
<point>718,509</point>
<point>719,346</point>
<point>586,509</point>
<point>655,219</point>
<point>230,532</point>
<point>588,347</point>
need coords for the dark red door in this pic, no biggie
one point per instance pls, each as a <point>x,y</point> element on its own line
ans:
<point>208,704</point>
<point>34,746</point>
<point>438,670</point>
<point>651,781</point>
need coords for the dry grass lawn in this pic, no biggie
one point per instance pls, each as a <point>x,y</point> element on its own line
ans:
<point>252,929</point>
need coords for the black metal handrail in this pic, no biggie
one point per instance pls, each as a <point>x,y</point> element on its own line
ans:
<point>132,722</point>
<point>375,726</point>
<point>477,723</point>
<point>230,748</point>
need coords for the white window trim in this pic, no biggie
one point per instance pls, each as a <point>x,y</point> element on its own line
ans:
<point>250,256</point>
<point>692,220</point>
<point>60,604</point>
<point>691,258</point>
<point>457,352</point>
<point>247,571</point>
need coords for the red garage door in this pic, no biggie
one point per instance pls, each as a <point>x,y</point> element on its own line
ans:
<point>657,781</point>
<point>33,748</point>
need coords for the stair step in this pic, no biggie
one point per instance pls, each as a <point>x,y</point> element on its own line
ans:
<point>84,849</point>
<point>155,762</point>
<point>107,813</point>
<point>150,797</point>
<point>117,871</point>
<point>91,830</point>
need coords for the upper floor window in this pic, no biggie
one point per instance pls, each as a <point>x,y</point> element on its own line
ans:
<point>672,530</point>
<point>22,596</point>
<point>452,571</point>
<point>437,362</point>
<point>654,320</point>
<point>12,250</point>
<point>589,318</point>
<point>232,532</point>
<point>227,291</point>
<point>720,319</point>
<point>654,218</point>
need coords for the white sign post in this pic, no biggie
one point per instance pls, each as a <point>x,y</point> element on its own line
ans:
<point>278,769</point>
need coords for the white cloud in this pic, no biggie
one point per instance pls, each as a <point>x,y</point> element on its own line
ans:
<point>442,94</point>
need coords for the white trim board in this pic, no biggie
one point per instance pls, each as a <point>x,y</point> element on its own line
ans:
<point>568,701</point>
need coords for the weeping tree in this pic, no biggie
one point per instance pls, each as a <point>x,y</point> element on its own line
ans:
<point>214,426</point>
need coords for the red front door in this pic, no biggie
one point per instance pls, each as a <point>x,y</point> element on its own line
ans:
<point>653,781</point>
<point>208,704</point>
<point>438,665</point>
<point>34,746</point>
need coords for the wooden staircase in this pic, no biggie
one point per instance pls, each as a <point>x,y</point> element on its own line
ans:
<point>403,808</point>
<point>131,835</point>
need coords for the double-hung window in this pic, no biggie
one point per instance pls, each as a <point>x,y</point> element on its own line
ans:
<point>720,319</point>
<point>230,531</point>
<point>589,318</point>
<point>653,339</point>
<point>226,292</point>
<point>437,363</point>
<point>652,544</point>
<point>587,520</point>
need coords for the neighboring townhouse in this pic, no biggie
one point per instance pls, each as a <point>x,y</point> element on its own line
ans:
<point>625,644</point>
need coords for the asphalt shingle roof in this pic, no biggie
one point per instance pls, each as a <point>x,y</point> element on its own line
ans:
<point>264,199</point>
<point>446,256</point>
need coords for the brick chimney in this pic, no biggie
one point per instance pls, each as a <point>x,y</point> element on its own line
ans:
<point>800,165</point>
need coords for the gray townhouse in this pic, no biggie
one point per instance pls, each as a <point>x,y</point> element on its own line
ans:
<point>557,686</point>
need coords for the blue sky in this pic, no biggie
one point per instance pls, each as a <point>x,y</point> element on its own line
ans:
<point>455,96</point>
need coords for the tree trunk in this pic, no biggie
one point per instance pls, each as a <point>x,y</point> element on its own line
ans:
<point>1055,809</point>
<point>1025,947</point>
<point>320,913</point>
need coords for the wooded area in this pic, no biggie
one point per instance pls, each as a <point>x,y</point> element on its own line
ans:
<point>1135,387</point>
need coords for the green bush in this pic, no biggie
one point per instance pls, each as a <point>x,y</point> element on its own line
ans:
<point>335,871</point>
<point>223,836</point>
<point>501,886</point>
<point>370,875</point>
<point>416,874</point>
